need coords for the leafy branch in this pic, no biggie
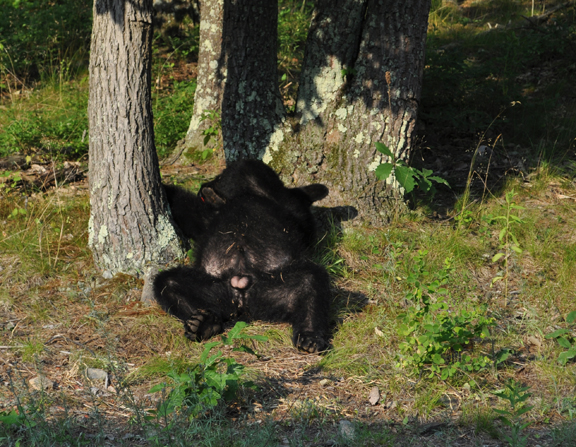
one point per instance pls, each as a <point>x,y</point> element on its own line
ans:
<point>407,176</point>
<point>566,340</point>
<point>436,336</point>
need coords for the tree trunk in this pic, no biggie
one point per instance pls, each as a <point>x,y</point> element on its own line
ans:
<point>210,83</point>
<point>237,76</point>
<point>130,227</point>
<point>252,107</point>
<point>360,84</point>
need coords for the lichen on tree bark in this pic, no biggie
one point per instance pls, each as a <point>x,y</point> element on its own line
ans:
<point>357,89</point>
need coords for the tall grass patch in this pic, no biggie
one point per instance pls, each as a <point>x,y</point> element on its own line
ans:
<point>41,39</point>
<point>482,57</point>
<point>52,120</point>
<point>45,236</point>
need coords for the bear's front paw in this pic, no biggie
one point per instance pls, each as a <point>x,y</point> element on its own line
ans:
<point>310,342</point>
<point>202,325</point>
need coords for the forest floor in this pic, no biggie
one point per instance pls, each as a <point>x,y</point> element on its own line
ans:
<point>60,320</point>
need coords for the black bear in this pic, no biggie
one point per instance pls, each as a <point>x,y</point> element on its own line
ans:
<point>252,236</point>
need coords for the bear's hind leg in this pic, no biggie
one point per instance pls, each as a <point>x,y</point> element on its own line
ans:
<point>300,295</point>
<point>201,301</point>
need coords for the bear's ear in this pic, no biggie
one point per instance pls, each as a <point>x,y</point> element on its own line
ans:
<point>208,195</point>
<point>315,192</point>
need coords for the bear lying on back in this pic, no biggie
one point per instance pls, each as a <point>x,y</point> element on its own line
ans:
<point>252,236</point>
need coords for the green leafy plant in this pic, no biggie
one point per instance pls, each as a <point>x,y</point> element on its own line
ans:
<point>437,337</point>
<point>11,418</point>
<point>566,340</point>
<point>516,395</point>
<point>17,212</point>
<point>10,183</point>
<point>215,377</point>
<point>466,217</point>
<point>348,72</point>
<point>407,176</point>
<point>508,241</point>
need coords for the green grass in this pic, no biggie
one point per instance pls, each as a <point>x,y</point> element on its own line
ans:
<point>473,73</point>
<point>44,81</point>
<point>293,22</point>
<point>172,114</point>
<point>51,120</point>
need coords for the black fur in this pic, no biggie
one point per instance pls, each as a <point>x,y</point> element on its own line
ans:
<point>252,236</point>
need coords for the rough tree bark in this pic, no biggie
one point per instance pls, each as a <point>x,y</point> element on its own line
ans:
<point>237,75</point>
<point>130,226</point>
<point>360,84</point>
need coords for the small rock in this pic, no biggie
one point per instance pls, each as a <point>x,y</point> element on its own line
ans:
<point>346,430</point>
<point>95,373</point>
<point>374,396</point>
<point>98,374</point>
<point>325,382</point>
<point>534,341</point>
<point>106,274</point>
<point>41,383</point>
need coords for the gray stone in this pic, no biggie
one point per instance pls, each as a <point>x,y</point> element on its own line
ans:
<point>374,396</point>
<point>346,430</point>
<point>41,383</point>
<point>95,373</point>
<point>98,374</point>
